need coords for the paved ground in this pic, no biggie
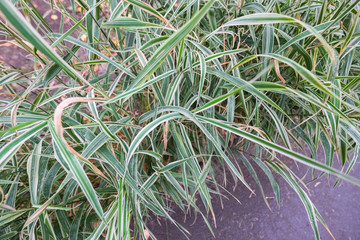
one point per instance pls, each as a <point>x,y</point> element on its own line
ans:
<point>252,219</point>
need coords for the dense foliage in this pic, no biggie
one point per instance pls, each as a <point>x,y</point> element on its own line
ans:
<point>141,103</point>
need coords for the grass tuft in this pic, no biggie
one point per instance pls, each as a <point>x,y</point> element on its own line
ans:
<point>129,107</point>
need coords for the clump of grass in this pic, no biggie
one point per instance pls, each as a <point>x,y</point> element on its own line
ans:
<point>127,109</point>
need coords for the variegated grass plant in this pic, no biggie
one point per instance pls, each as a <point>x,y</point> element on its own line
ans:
<point>131,107</point>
